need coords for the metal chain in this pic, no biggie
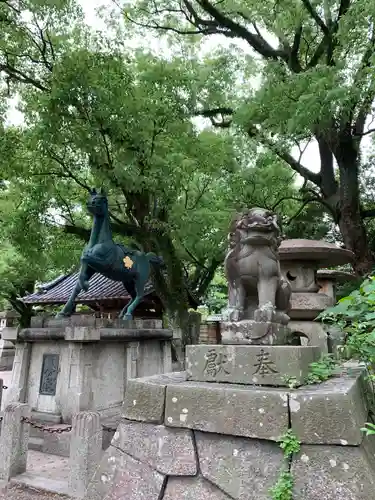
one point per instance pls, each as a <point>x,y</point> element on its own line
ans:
<point>5,387</point>
<point>50,430</point>
<point>109,429</point>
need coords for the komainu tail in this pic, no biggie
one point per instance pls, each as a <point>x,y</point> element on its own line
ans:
<point>155,259</point>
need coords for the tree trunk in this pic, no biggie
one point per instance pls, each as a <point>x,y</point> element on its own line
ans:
<point>349,211</point>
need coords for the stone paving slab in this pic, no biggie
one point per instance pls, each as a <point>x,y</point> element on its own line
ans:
<point>19,492</point>
<point>30,480</point>
<point>257,412</point>
<point>49,466</point>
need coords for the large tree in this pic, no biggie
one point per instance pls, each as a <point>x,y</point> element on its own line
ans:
<point>316,63</point>
<point>97,114</point>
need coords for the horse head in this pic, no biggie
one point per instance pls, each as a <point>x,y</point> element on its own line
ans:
<point>98,203</point>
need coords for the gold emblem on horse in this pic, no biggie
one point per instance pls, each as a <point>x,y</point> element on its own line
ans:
<point>128,263</point>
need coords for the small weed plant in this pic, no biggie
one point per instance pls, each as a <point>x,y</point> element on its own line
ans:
<point>322,370</point>
<point>289,443</point>
<point>283,489</point>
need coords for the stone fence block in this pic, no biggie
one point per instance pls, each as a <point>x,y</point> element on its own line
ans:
<point>85,451</point>
<point>14,441</point>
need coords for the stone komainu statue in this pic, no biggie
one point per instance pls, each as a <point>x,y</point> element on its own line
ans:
<point>256,289</point>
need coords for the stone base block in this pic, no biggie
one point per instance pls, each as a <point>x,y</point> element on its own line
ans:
<point>227,433</point>
<point>230,409</point>
<point>335,472</point>
<point>250,364</point>
<point>254,332</point>
<point>330,413</point>
<point>120,476</point>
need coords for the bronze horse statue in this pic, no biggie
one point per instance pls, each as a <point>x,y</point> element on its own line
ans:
<point>256,288</point>
<point>116,262</point>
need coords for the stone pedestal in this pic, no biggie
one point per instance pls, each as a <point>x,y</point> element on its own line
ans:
<point>217,441</point>
<point>64,366</point>
<point>254,333</point>
<point>250,364</point>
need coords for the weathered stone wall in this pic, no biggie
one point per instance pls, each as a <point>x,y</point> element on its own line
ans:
<point>182,440</point>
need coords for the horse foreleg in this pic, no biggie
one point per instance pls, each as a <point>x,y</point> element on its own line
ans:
<point>69,307</point>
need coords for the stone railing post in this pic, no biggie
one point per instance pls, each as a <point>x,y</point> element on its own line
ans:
<point>14,441</point>
<point>1,391</point>
<point>85,451</point>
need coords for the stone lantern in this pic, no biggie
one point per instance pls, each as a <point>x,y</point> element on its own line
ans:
<point>327,280</point>
<point>300,261</point>
<point>8,320</point>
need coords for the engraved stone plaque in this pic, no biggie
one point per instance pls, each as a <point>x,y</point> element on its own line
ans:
<point>48,378</point>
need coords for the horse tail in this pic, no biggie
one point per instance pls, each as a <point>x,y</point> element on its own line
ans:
<point>155,259</point>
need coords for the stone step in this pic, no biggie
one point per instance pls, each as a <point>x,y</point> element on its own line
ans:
<point>33,480</point>
<point>36,443</point>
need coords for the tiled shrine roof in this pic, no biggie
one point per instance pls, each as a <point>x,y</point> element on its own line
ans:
<point>58,291</point>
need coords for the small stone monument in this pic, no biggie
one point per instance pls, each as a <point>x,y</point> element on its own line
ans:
<point>255,335</point>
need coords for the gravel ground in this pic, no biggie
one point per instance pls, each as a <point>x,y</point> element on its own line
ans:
<point>20,493</point>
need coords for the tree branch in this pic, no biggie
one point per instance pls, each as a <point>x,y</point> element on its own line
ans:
<point>369,131</point>
<point>257,42</point>
<point>367,214</point>
<point>253,132</point>
<point>306,202</point>
<point>319,21</point>
<point>367,102</point>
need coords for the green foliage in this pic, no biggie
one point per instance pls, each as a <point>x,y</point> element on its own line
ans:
<point>289,443</point>
<point>217,293</point>
<point>283,489</point>
<point>322,370</point>
<point>97,113</point>
<point>369,429</point>
<point>290,381</point>
<point>309,75</point>
<point>355,315</point>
